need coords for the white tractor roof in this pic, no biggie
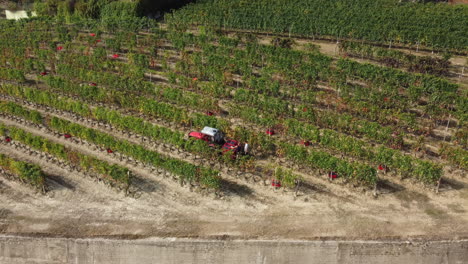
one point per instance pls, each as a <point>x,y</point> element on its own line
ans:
<point>209,131</point>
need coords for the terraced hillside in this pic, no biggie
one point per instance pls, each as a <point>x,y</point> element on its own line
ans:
<point>95,115</point>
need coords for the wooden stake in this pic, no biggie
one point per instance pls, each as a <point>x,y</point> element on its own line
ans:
<point>298,182</point>
<point>446,128</point>
<point>375,189</point>
<point>461,74</point>
<point>438,185</point>
<point>128,185</point>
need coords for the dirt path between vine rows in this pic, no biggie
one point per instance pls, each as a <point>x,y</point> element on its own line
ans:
<point>166,209</point>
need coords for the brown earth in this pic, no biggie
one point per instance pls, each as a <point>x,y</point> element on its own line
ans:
<point>458,1</point>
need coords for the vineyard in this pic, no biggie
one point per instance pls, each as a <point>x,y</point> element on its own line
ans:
<point>437,26</point>
<point>95,116</point>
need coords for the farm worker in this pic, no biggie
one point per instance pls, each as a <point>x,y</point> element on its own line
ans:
<point>246,148</point>
<point>238,149</point>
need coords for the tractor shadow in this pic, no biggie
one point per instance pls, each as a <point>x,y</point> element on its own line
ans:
<point>450,185</point>
<point>147,185</point>
<point>233,188</point>
<point>56,182</point>
<point>385,186</point>
<point>309,188</point>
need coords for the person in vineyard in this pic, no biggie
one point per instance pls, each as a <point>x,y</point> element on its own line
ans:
<point>238,150</point>
<point>332,175</point>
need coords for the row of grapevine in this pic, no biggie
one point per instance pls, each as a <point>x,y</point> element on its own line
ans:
<point>277,56</point>
<point>422,85</point>
<point>187,172</point>
<point>11,75</point>
<point>322,118</point>
<point>52,99</point>
<point>16,110</point>
<point>433,25</point>
<point>26,172</point>
<point>439,92</point>
<point>287,177</point>
<point>255,139</point>
<point>118,120</point>
<point>206,69</point>
<point>396,78</point>
<point>112,174</point>
<point>456,155</point>
<point>396,58</point>
<point>334,158</point>
<point>353,171</point>
<point>113,82</point>
<point>341,121</point>
<point>374,108</point>
<point>424,171</point>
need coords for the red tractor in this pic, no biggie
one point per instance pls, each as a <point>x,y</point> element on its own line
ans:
<point>215,139</point>
<point>201,136</point>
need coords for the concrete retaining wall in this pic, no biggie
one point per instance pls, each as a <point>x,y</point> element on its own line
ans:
<point>82,251</point>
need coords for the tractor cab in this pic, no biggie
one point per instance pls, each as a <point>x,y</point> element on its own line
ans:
<point>214,134</point>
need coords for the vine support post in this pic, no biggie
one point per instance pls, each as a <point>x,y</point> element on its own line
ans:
<point>375,193</point>
<point>362,52</point>
<point>128,184</point>
<point>446,127</point>
<point>461,74</point>
<point>438,185</point>
<point>298,183</point>
<point>337,42</point>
